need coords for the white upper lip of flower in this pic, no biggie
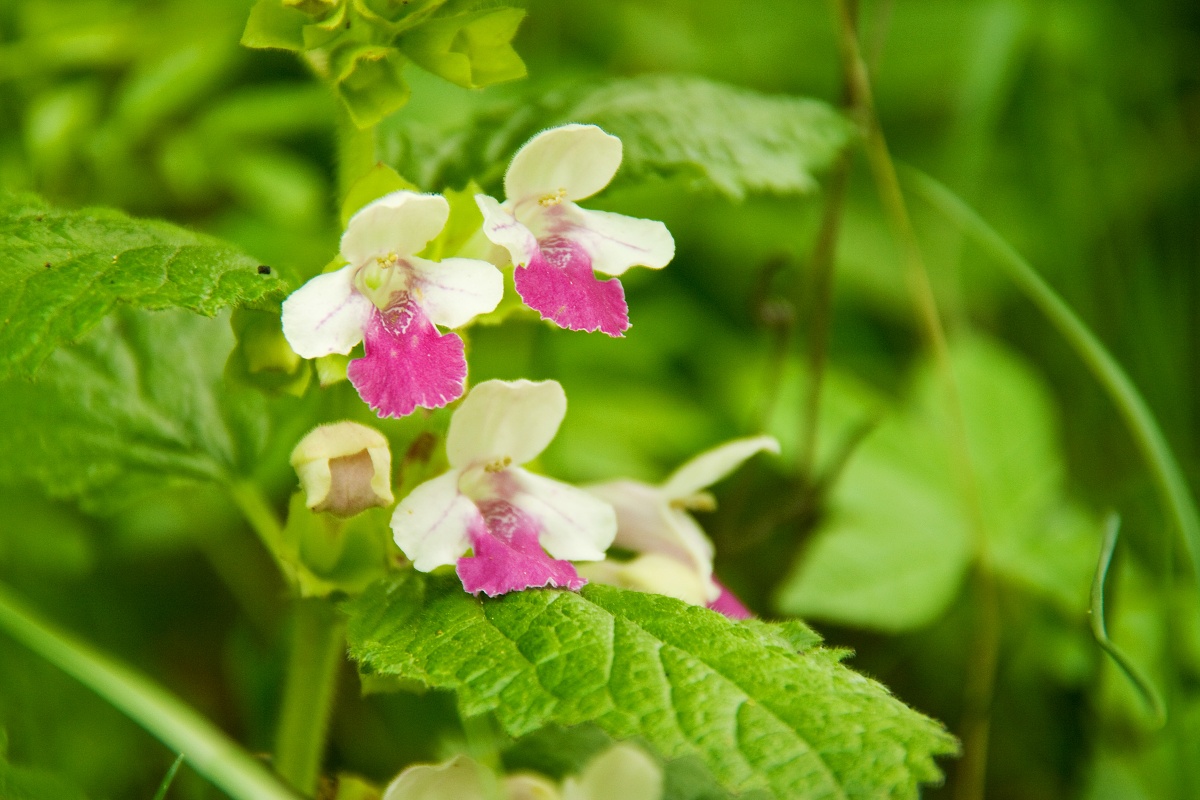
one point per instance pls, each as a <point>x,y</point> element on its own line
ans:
<point>546,178</point>
<point>500,426</point>
<point>330,312</point>
<point>654,519</point>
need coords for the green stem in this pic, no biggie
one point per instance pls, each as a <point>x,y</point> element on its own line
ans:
<point>985,645</point>
<point>357,151</point>
<point>823,262</point>
<point>258,512</point>
<point>1167,473</point>
<point>312,670</point>
<point>1112,527</point>
<point>209,751</point>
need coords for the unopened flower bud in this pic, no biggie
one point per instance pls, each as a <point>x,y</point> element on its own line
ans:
<point>344,468</point>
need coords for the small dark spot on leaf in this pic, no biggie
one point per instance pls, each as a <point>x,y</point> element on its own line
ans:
<point>263,269</point>
<point>47,265</point>
<point>347,24</point>
<point>38,217</point>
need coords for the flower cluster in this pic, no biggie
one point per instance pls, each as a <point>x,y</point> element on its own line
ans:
<point>501,526</point>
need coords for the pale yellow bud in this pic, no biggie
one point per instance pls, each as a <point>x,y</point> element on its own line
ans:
<point>344,468</point>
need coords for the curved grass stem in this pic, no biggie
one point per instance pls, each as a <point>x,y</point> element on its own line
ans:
<point>1172,486</point>
<point>209,751</point>
<point>984,649</point>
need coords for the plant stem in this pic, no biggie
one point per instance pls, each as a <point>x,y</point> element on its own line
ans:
<point>356,152</point>
<point>823,261</point>
<point>313,664</point>
<point>258,512</point>
<point>1172,485</point>
<point>209,751</point>
<point>984,650</point>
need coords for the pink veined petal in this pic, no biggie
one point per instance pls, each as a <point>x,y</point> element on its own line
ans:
<point>507,555</point>
<point>560,285</point>
<point>617,242</point>
<point>406,363</point>
<point>728,604</point>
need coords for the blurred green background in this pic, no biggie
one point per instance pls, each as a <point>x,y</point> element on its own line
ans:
<point>1074,127</point>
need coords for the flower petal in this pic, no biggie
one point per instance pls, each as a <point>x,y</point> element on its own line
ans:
<point>646,523</point>
<point>650,572</point>
<point>617,242</point>
<point>711,466</point>
<point>406,363</point>
<point>502,229</point>
<point>500,420</point>
<point>326,315</point>
<point>728,604</point>
<point>559,284</point>
<point>573,523</point>
<point>431,524</point>
<point>569,162</point>
<point>400,223</point>
<point>623,771</point>
<point>461,778</point>
<point>507,555</point>
<point>455,290</point>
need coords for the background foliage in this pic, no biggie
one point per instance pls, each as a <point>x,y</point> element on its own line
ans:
<point>1073,126</point>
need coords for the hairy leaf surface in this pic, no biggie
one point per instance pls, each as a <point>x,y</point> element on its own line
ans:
<point>719,137</point>
<point>685,680</point>
<point>61,272</point>
<point>141,402</point>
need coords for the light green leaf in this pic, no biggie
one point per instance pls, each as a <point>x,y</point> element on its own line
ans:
<point>139,404</point>
<point>684,679</point>
<point>472,49</point>
<point>718,137</point>
<point>899,540</point>
<point>369,81</point>
<point>61,272</point>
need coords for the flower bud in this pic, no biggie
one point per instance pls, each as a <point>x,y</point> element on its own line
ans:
<point>344,468</point>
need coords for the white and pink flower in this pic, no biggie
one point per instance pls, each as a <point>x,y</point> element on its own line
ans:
<point>557,247</point>
<point>675,556</point>
<point>392,301</point>
<point>508,517</point>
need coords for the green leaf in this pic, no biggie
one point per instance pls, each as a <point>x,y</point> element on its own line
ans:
<point>717,137</point>
<point>472,50</point>
<point>899,540</point>
<point>64,271</point>
<point>139,404</point>
<point>275,25</point>
<point>684,679</point>
<point>369,81</point>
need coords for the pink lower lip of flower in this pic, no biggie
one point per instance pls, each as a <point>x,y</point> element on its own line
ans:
<point>406,363</point>
<point>559,284</point>
<point>728,604</point>
<point>508,557</point>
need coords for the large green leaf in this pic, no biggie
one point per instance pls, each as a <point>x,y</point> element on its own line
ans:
<point>899,539</point>
<point>61,272</point>
<point>684,679</point>
<point>719,137</point>
<point>141,402</point>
